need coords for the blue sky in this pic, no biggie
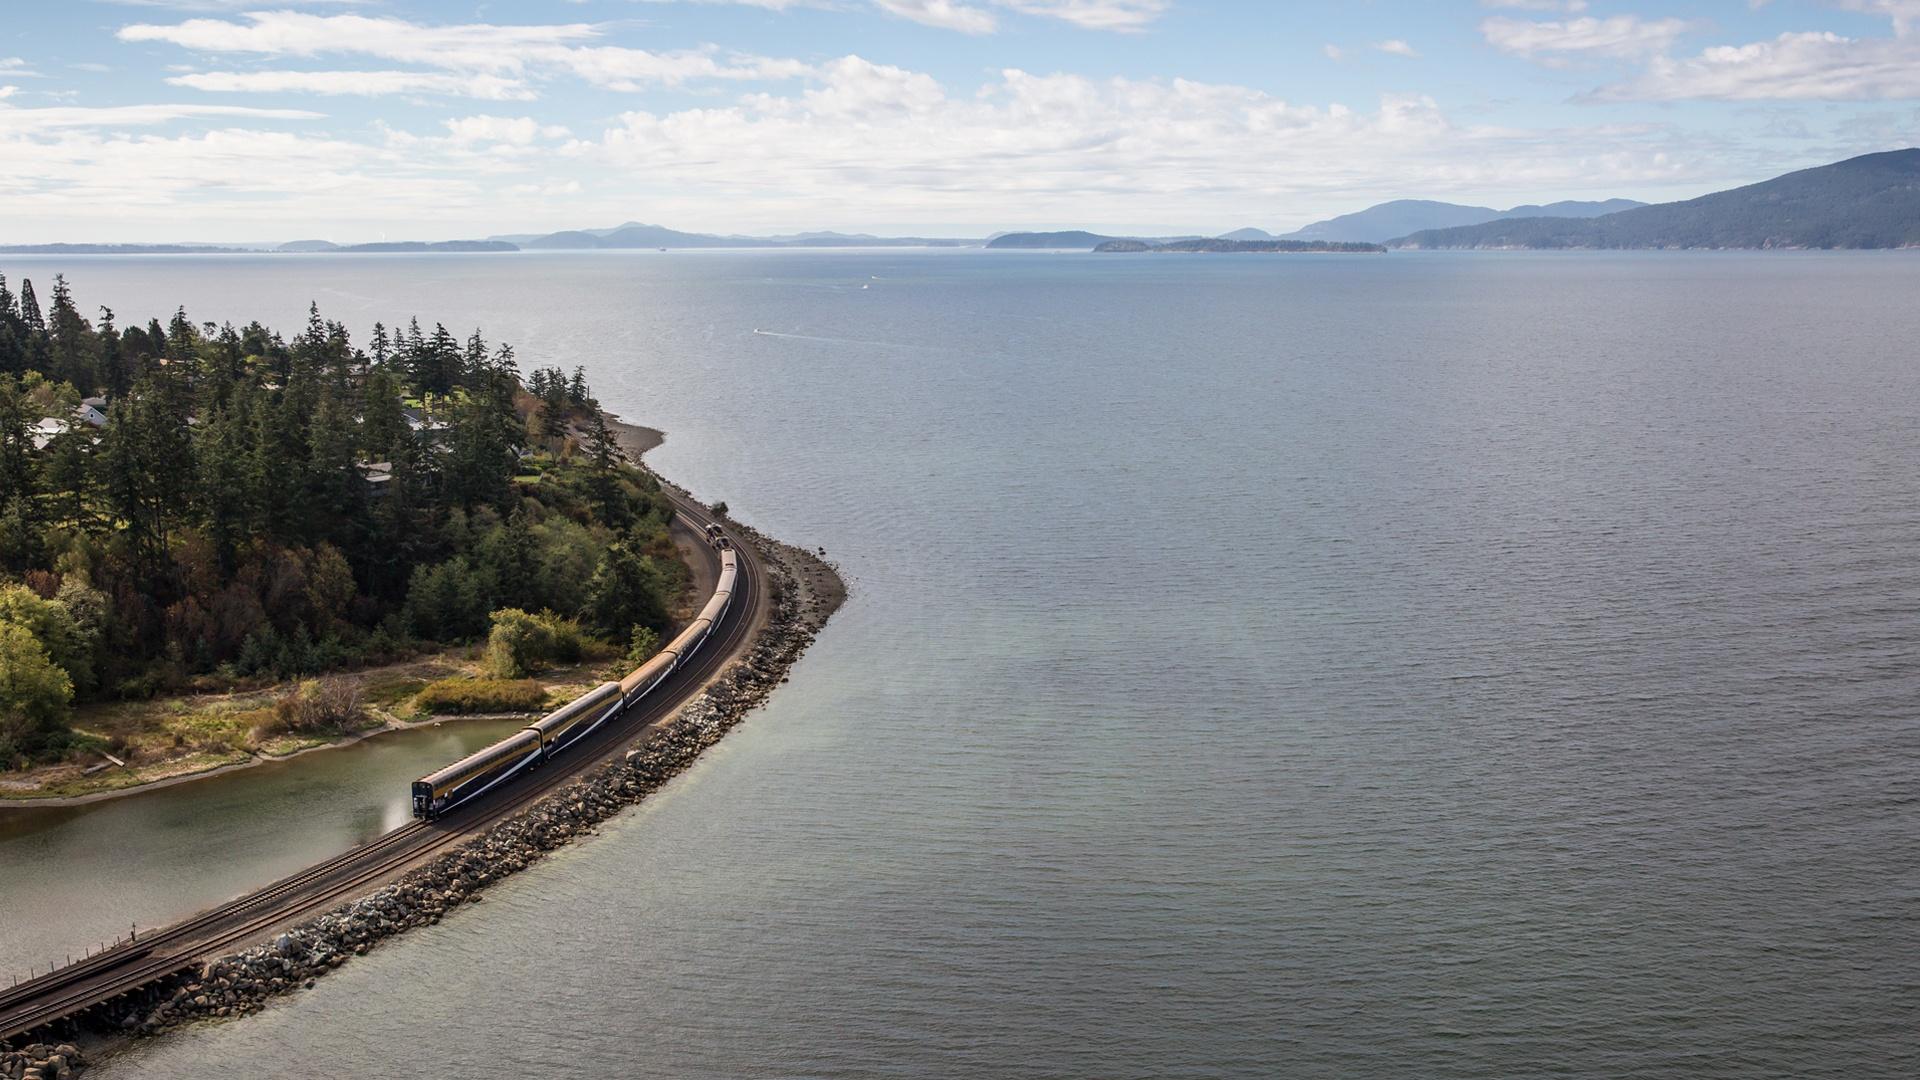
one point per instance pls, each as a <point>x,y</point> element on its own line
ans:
<point>237,120</point>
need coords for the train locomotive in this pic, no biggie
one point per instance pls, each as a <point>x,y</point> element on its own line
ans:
<point>551,735</point>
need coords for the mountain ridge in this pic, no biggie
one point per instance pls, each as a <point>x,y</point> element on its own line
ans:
<point>1400,217</point>
<point>1866,202</point>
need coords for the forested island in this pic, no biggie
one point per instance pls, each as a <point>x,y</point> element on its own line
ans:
<point>200,508</point>
<point>1222,246</point>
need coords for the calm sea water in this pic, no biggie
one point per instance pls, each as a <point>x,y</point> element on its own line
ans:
<point>1406,666</point>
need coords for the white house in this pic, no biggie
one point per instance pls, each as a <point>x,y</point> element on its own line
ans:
<point>46,430</point>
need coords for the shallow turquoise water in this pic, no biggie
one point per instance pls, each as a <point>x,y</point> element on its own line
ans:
<point>1421,665</point>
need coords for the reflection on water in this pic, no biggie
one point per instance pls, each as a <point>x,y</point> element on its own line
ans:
<point>74,876</point>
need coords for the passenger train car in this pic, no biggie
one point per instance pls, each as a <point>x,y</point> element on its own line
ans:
<point>483,770</point>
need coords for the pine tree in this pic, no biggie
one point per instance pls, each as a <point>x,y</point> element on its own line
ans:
<point>19,480</point>
<point>147,466</point>
<point>74,351</point>
<point>13,345</point>
<point>30,309</point>
<point>603,469</point>
<point>33,331</point>
<point>115,370</point>
<point>66,475</point>
<point>474,367</point>
<point>379,346</point>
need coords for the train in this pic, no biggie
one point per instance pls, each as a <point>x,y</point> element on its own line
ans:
<point>551,735</point>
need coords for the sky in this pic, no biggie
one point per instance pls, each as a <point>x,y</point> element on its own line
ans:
<point>351,120</point>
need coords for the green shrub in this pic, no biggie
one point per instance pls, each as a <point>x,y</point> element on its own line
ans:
<point>461,696</point>
<point>319,705</point>
<point>642,645</point>
<point>34,695</point>
<point>521,644</point>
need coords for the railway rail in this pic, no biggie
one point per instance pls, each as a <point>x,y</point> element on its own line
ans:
<point>41,1003</point>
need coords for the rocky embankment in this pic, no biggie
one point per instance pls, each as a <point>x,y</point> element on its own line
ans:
<point>802,592</point>
<point>41,1061</point>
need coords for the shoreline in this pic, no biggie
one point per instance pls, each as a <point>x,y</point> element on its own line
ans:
<point>635,439</point>
<point>392,727</point>
<point>803,591</point>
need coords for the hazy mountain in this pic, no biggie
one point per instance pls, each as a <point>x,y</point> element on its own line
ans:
<point>1377,224</point>
<point>401,246</point>
<point>114,249</point>
<point>308,245</point>
<point>1221,245</point>
<point>1574,209</point>
<point>1073,240</point>
<point>1248,234</point>
<point>635,235</point>
<point>1871,201</point>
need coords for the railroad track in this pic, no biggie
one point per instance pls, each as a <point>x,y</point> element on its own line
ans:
<point>131,966</point>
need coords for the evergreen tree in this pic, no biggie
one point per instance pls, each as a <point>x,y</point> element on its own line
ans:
<point>30,309</point>
<point>604,457</point>
<point>19,480</point>
<point>115,370</point>
<point>382,423</point>
<point>379,346</point>
<point>474,367</point>
<point>13,349</point>
<point>33,331</point>
<point>221,445</point>
<point>626,591</point>
<point>74,352</point>
<point>147,467</point>
<point>66,476</point>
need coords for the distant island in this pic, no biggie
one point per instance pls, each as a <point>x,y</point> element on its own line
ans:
<point>384,247</point>
<point>635,235</point>
<point>1872,201</point>
<point>1067,240</point>
<point>1221,245</point>
<point>114,249</point>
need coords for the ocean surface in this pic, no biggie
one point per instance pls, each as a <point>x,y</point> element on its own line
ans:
<point>1423,665</point>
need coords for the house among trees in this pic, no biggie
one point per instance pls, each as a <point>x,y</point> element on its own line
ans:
<point>379,478</point>
<point>424,425</point>
<point>47,430</point>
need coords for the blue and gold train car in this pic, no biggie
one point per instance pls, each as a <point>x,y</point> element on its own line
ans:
<point>482,770</point>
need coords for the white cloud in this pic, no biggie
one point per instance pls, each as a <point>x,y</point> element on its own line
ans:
<point>946,14</point>
<point>8,91</point>
<point>1117,15</point>
<point>1572,7</point>
<point>1122,15</point>
<point>15,67</point>
<point>53,117</point>
<point>1794,66</point>
<point>1904,13</point>
<point>878,141</point>
<point>363,83</point>
<point>519,131</point>
<point>1334,52</point>
<point>547,191</point>
<point>1619,36</point>
<point>1396,47</point>
<point>477,48</point>
<point>855,141</point>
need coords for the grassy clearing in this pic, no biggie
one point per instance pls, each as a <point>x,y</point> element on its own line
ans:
<point>181,736</point>
<point>466,696</point>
